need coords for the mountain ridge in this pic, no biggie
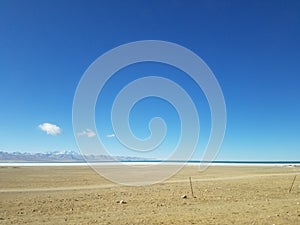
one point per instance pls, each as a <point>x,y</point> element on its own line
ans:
<point>60,156</point>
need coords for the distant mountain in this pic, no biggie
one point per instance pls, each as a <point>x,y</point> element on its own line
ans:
<point>59,156</point>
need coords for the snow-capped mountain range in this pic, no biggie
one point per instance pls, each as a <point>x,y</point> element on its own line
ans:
<point>59,156</point>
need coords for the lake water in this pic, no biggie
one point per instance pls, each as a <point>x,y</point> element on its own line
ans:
<point>153,162</point>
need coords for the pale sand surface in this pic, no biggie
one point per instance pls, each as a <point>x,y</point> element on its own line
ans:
<point>78,195</point>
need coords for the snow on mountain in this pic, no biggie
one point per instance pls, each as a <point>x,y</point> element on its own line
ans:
<point>59,156</point>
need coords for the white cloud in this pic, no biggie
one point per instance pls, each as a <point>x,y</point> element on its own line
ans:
<point>50,129</point>
<point>87,132</point>
<point>110,135</point>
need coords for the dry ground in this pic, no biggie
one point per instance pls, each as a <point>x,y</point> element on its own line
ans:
<point>78,195</point>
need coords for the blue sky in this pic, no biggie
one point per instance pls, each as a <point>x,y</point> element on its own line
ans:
<point>253,48</point>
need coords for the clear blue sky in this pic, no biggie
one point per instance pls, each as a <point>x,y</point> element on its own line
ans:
<point>253,48</point>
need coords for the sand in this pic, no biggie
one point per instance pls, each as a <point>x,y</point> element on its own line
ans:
<point>78,195</point>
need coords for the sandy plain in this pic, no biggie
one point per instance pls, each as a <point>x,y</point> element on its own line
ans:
<point>78,195</point>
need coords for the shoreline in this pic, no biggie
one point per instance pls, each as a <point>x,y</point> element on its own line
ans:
<point>143,163</point>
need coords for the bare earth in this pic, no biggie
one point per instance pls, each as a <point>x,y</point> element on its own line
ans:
<point>78,195</point>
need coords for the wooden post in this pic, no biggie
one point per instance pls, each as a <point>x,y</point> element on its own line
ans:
<point>192,187</point>
<point>292,184</point>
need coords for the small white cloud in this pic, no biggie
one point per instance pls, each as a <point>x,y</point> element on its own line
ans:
<point>87,132</point>
<point>110,135</point>
<point>50,129</point>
